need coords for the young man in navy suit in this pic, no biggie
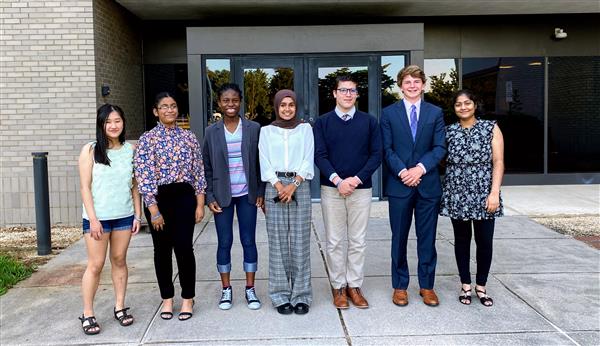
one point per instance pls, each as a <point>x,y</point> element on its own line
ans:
<point>414,143</point>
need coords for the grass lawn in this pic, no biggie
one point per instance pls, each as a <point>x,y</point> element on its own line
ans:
<point>12,271</point>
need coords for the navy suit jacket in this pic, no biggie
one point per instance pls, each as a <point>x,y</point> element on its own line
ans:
<point>401,152</point>
<point>216,163</point>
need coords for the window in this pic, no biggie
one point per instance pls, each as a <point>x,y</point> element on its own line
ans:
<point>442,83</point>
<point>172,78</point>
<point>390,66</point>
<point>218,72</point>
<point>573,114</point>
<point>512,92</point>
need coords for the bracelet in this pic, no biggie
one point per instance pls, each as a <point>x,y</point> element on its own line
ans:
<point>155,217</point>
<point>137,218</point>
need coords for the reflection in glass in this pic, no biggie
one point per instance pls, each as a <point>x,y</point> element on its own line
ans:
<point>512,92</point>
<point>573,114</point>
<point>390,66</point>
<point>327,83</point>
<point>442,83</point>
<point>218,72</point>
<point>260,87</point>
<point>172,78</point>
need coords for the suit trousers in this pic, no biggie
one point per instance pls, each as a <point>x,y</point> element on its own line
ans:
<point>346,220</point>
<point>426,214</point>
<point>177,204</point>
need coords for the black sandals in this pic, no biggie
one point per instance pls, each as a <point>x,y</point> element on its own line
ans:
<point>89,325</point>
<point>465,296</point>
<point>123,317</point>
<point>184,316</point>
<point>484,298</point>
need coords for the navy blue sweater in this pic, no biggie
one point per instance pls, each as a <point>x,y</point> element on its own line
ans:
<point>348,148</point>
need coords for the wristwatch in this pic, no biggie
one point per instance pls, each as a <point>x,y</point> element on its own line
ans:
<point>296,182</point>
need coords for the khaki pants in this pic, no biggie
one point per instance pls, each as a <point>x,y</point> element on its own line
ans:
<point>345,218</point>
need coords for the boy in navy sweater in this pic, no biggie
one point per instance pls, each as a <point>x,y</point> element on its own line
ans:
<point>348,151</point>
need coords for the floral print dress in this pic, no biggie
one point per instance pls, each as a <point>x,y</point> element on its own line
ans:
<point>468,179</point>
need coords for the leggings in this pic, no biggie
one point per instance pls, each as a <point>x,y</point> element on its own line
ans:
<point>177,204</point>
<point>484,234</point>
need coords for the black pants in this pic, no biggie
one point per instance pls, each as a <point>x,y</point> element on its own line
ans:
<point>177,204</point>
<point>484,234</point>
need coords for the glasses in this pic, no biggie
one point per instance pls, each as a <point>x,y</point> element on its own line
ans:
<point>167,107</point>
<point>347,91</point>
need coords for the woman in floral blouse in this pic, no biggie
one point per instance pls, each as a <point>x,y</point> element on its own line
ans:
<point>170,175</point>
<point>471,191</point>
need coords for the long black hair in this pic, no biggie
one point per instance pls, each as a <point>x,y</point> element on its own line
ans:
<point>104,111</point>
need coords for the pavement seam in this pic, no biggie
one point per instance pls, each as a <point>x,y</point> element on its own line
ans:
<point>340,316</point>
<point>557,328</point>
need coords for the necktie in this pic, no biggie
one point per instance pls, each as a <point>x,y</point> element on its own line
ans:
<point>345,117</point>
<point>413,121</point>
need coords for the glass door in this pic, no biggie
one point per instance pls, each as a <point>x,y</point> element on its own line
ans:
<point>260,78</point>
<point>323,72</point>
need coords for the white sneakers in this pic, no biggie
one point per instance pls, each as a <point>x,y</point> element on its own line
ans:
<point>226,301</point>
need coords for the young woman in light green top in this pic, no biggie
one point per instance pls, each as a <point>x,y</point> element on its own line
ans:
<point>111,211</point>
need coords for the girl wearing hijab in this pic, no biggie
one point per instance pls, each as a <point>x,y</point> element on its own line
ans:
<point>286,151</point>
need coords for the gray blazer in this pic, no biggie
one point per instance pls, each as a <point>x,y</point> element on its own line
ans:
<point>216,163</point>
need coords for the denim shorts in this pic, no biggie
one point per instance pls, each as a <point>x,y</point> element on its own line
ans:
<point>122,224</point>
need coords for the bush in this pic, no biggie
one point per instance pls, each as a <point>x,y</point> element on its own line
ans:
<point>11,272</point>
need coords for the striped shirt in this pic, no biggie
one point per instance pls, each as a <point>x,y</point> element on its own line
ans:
<point>237,176</point>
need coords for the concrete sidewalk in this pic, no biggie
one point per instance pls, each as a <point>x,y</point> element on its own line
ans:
<point>545,288</point>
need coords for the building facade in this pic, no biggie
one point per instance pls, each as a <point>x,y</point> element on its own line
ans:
<point>56,57</point>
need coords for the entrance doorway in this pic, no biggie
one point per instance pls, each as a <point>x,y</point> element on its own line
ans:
<point>312,77</point>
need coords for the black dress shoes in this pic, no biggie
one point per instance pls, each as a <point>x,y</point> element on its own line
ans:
<point>301,309</point>
<point>285,309</point>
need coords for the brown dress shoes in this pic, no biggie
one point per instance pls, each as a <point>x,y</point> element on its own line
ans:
<point>357,297</point>
<point>429,297</point>
<point>340,299</point>
<point>400,297</point>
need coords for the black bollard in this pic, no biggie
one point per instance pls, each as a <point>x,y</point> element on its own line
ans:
<point>42,202</point>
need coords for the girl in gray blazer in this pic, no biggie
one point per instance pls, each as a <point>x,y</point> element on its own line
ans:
<point>232,173</point>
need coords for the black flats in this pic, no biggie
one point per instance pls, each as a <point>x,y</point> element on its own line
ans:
<point>287,309</point>
<point>301,309</point>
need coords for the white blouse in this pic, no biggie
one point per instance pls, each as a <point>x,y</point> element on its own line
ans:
<point>286,150</point>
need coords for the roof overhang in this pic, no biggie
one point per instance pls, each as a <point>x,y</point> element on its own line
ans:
<point>207,9</point>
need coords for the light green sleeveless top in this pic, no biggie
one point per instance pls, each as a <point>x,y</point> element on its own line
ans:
<point>111,185</point>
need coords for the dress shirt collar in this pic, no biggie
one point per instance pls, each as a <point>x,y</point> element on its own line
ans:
<point>407,106</point>
<point>350,112</point>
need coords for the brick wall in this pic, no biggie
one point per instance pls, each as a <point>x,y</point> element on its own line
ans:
<point>47,102</point>
<point>118,47</point>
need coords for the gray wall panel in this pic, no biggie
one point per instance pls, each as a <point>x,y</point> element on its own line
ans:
<point>305,39</point>
<point>511,40</point>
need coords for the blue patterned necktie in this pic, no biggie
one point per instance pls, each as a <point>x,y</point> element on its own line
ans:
<point>345,117</point>
<point>413,121</point>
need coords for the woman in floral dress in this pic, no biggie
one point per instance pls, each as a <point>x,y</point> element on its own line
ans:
<point>471,191</point>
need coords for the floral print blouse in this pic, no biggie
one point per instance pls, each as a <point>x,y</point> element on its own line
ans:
<point>168,155</point>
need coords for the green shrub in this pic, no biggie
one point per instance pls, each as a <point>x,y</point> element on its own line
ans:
<point>11,272</point>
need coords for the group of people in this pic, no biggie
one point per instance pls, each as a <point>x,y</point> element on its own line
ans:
<point>241,167</point>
